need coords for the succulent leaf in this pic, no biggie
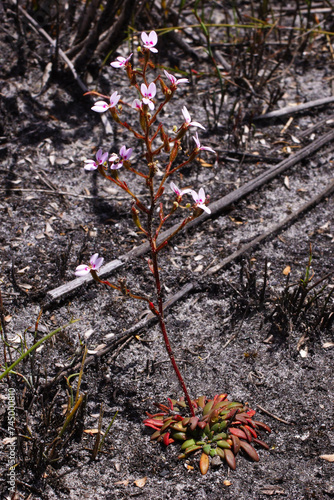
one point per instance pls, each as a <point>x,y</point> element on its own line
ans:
<point>248,448</point>
<point>230,459</point>
<point>204,464</point>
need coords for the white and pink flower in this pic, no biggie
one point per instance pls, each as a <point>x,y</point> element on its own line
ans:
<point>94,265</point>
<point>121,62</point>
<point>198,145</point>
<point>149,41</point>
<point>174,81</point>
<point>101,159</point>
<point>187,119</point>
<point>117,162</point>
<point>179,192</point>
<point>102,106</point>
<point>148,93</point>
<point>199,199</point>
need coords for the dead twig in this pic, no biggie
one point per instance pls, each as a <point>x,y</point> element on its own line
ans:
<point>274,416</point>
<point>315,127</point>
<point>289,110</point>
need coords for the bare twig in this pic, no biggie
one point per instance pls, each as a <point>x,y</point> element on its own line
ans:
<point>289,110</point>
<point>274,416</point>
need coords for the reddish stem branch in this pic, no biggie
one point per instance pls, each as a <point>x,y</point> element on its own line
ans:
<point>164,331</point>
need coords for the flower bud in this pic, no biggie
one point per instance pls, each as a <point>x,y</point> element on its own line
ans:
<point>135,217</point>
<point>165,139</point>
<point>182,132</point>
<point>142,120</point>
<point>174,152</point>
<point>164,87</point>
<point>115,115</point>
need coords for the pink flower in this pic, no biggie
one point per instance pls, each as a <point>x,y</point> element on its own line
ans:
<point>137,104</point>
<point>188,121</point>
<point>94,265</point>
<point>121,62</point>
<point>174,81</point>
<point>179,193</point>
<point>101,158</point>
<point>101,106</point>
<point>149,41</point>
<point>124,154</point>
<point>114,160</point>
<point>199,199</point>
<point>148,93</point>
<point>199,147</point>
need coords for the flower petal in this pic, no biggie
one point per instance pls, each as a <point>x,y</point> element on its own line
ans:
<point>93,259</point>
<point>182,80</point>
<point>98,263</point>
<point>196,139</point>
<point>152,89</point>
<point>82,270</point>
<point>201,195</point>
<point>175,188</point>
<point>90,168</point>
<point>186,114</point>
<point>116,166</point>
<point>137,104</point>
<point>114,98</point>
<point>100,107</point>
<point>196,124</point>
<point>206,148</point>
<point>204,207</point>
<point>153,38</point>
<point>145,38</point>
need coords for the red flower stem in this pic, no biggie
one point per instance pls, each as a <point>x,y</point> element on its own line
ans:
<point>181,226</point>
<point>164,331</point>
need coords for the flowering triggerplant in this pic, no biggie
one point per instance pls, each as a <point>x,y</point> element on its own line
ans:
<point>157,143</point>
<point>163,149</point>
